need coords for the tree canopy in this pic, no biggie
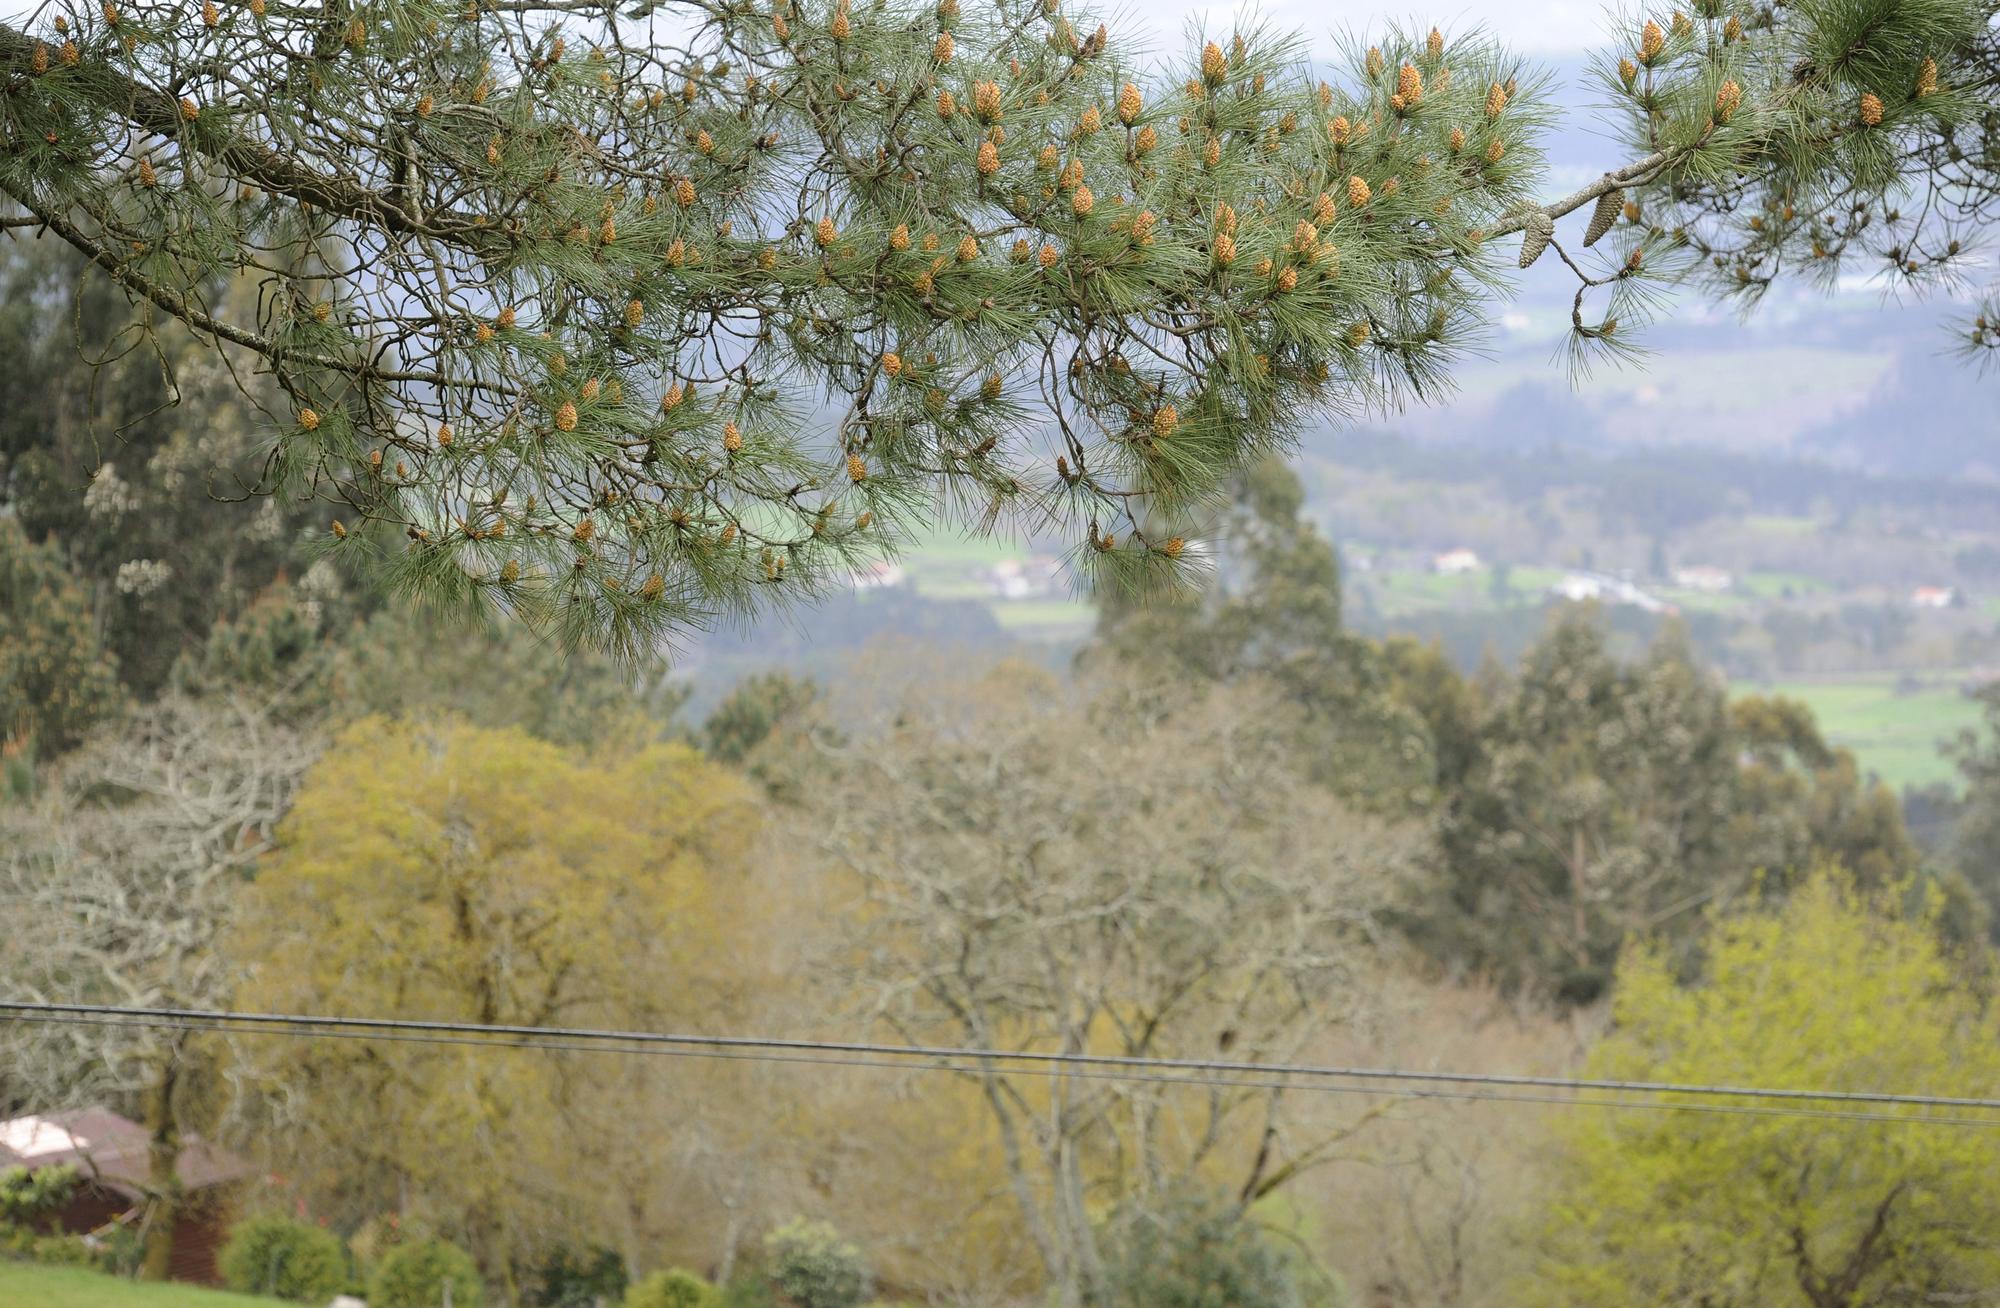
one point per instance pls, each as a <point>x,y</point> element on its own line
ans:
<point>1833,990</point>
<point>627,321</point>
<point>55,680</point>
<point>477,874</point>
<point>1049,871</point>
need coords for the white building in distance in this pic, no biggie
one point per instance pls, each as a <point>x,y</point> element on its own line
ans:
<point>1703,577</point>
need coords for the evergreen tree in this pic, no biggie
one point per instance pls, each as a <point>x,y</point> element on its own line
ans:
<point>1975,838</point>
<point>623,321</point>
<point>1877,144</point>
<point>1587,799</point>
<point>1802,802</point>
<point>1274,618</point>
<point>135,454</point>
<point>56,679</point>
<point>1596,808</point>
<point>391,663</point>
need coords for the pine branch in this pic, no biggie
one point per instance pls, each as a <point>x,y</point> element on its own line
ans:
<point>184,309</point>
<point>1637,173</point>
<point>155,112</point>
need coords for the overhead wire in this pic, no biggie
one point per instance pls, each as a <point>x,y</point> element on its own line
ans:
<point>1209,1073</point>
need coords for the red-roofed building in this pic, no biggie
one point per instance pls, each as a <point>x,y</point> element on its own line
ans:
<point>110,1154</point>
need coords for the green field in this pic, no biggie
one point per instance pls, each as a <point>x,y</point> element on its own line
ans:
<point>1782,585</point>
<point>1400,592</point>
<point>1894,733</point>
<point>1053,619</point>
<point>1782,525</point>
<point>948,565</point>
<point>26,1284</point>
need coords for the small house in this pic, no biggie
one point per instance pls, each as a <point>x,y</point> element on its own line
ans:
<point>879,575</point>
<point>1703,577</point>
<point>111,1157</point>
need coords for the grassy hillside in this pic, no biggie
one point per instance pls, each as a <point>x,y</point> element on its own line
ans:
<point>1894,729</point>
<point>27,1284</point>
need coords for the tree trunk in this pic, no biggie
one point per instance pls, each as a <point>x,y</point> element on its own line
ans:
<point>163,1183</point>
<point>732,1232</point>
<point>1074,1212</point>
<point>1579,909</point>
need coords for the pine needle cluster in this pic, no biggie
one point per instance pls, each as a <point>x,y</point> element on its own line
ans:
<point>626,322</point>
<point>713,301</point>
<point>1817,140</point>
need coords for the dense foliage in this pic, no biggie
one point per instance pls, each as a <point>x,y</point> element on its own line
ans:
<point>470,857</point>
<point>285,1259</point>
<point>425,1273</point>
<point>554,296</point>
<point>620,322</point>
<point>671,1288</point>
<point>1832,989</point>
<point>624,323</point>
<point>127,447</point>
<point>813,1267</point>
<point>1976,835</point>
<point>1200,1252</point>
<point>55,679</point>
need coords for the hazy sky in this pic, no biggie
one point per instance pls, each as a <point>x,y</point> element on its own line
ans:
<point>1548,27</point>
<point>1541,27</point>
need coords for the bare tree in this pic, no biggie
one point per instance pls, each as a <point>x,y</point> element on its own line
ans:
<point>1107,876</point>
<point>116,888</point>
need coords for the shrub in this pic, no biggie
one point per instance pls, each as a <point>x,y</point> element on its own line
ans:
<point>747,1289</point>
<point>673,1288</point>
<point>120,1251</point>
<point>416,1276</point>
<point>1197,1253</point>
<point>285,1259</point>
<point>585,1277</point>
<point>27,1197</point>
<point>29,1245</point>
<point>814,1268</point>
<point>63,1250</point>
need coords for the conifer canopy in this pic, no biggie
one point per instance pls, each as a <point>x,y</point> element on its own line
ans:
<point>625,320</point>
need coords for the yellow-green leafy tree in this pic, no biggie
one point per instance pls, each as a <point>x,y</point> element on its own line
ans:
<point>448,871</point>
<point>1832,990</point>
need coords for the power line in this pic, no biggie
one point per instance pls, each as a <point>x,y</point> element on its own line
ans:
<point>1212,1072</point>
<point>932,1064</point>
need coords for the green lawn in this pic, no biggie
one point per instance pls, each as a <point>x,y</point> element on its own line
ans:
<point>26,1284</point>
<point>1893,733</point>
<point>947,548</point>
<point>948,565</point>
